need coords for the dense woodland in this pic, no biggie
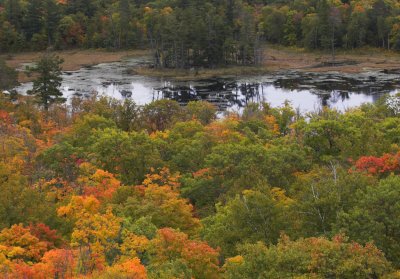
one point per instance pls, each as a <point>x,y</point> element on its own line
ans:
<point>101,188</point>
<point>187,33</point>
<point>104,188</point>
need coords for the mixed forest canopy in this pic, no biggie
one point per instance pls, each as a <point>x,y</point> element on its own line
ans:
<point>187,33</point>
<point>101,188</point>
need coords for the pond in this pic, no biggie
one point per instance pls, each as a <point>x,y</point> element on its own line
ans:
<point>305,91</point>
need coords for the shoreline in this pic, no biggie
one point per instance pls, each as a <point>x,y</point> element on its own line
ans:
<point>73,59</point>
<point>348,61</point>
<point>277,58</point>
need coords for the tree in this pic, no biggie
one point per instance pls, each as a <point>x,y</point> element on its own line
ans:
<point>129,155</point>
<point>308,258</point>
<point>202,111</point>
<point>171,245</point>
<point>159,200</point>
<point>14,12</point>
<point>33,18</point>
<point>51,18</point>
<point>17,242</point>
<point>60,262</point>
<point>20,203</point>
<point>8,76</point>
<point>256,215</point>
<point>334,22</point>
<point>94,234</point>
<point>46,87</point>
<point>129,269</point>
<point>273,22</point>
<point>357,27</point>
<point>373,217</point>
<point>321,195</point>
<point>160,115</point>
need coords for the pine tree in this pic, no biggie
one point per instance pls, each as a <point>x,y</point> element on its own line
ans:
<point>47,86</point>
<point>33,19</point>
<point>51,19</point>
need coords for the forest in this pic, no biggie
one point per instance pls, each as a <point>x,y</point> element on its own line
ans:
<point>101,188</point>
<point>193,33</point>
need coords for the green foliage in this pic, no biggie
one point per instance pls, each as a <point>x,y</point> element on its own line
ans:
<point>308,258</point>
<point>202,111</point>
<point>192,33</point>
<point>256,215</point>
<point>170,269</point>
<point>331,134</point>
<point>160,115</point>
<point>142,226</point>
<point>132,155</point>
<point>139,189</point>
<point>46,87</point>
<point>8,76</point>
<point>322,194</point>
<point>21,204</point>
<point>373,217</point>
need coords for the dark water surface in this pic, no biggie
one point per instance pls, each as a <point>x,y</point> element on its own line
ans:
<point>306,91</point>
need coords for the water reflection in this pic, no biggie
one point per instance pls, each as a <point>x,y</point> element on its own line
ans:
<point>228,93</point>
<point>306,91</point>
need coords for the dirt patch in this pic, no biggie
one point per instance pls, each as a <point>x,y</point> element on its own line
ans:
<point>73,59</point>
<point>357,61</point>
<point>276,59</point>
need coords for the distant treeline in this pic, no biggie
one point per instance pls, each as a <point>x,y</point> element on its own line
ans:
<point>186,33</point>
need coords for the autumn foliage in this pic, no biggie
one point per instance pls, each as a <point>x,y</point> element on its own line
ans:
<point>90,192</point>
<point>386,164</point>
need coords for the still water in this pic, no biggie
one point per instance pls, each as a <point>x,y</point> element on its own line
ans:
<point>305,91</point>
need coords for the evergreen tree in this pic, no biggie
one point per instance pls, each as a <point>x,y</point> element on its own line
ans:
<point>51,19</point>
<point>8,76</point>
<point>124,18</point>
<point>47,86</point>
<point>33,19</point>
<point>14,13</point>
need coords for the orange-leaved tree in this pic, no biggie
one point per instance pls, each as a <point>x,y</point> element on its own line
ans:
<point>170,245</point>
<point>94,233</point>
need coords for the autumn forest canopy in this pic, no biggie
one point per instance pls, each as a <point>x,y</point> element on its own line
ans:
<point>108,189</point>
<point>97,187</point>
<point>186,33</point>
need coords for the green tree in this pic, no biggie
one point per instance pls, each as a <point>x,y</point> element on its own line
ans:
<point>357,28</point>
<point>8,76</point>
<point>46,87</point>
<point>14,12</point>
<point>130,155</point>
<point>51,15</point>
<point>256,215</point>
<point>322,194</point>
<point>308,258</point>
<point>160,115</point>
<point>33,21</point>
<point>309,26</point>
<point>19,203</point>
<point>374,217</point>
<point>273,23</point>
